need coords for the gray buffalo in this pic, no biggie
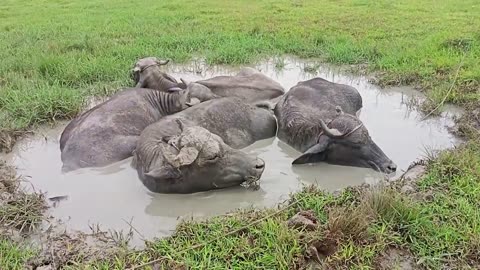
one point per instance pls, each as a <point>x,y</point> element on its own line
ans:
<point>197,149</point>
<point>318,118</point>
<point>248,84</point>
<point>109,131</point>
<point>147,74</point>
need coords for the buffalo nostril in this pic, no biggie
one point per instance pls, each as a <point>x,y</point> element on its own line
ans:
<point>392,167</point>
<point>260,164</point>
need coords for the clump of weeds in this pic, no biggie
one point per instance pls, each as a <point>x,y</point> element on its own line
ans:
<point>19,209</point>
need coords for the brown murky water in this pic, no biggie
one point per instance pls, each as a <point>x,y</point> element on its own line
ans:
<point>113,196</point>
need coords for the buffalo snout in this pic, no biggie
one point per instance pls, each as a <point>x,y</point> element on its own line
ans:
<point>259,167</point>
<point>390,167</point>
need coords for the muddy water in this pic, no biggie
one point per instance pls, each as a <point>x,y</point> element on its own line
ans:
<point>114,197</point>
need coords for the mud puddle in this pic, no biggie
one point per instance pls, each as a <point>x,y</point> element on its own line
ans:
<point>114,197</point>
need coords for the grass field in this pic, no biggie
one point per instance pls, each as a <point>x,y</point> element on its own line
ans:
<point>56,53</point>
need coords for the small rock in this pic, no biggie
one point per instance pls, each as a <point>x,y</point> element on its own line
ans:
<point>407,189</point>
<point>373,80</point>
<point>396,259</point>
<point>414,173</point>
<point>303,219</point>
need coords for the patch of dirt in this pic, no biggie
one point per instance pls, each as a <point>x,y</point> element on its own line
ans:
<point>303,220</point>
<point>319,250</point>
<point>415,172</point>
<point>468,125</point>
<point>393,259</point>
<point>8,180</point>
<point>61,248</point>
<point>407,182</point>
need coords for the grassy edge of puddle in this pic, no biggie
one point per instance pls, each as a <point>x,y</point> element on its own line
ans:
<point>429,220</point>
<point>427,223</point>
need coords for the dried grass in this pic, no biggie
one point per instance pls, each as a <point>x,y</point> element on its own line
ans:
<point>19,209</point>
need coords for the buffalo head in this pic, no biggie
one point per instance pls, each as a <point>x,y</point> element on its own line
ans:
<point>145,63</point>
<point>197,160</point>
<point>347,142</point>
<point>141,75</point>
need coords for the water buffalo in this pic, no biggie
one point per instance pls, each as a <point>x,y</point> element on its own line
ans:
<point>248,84</point>
<point>197,149</point>
<point>109,131</point>
<point>147,74</point>
<point>318,118</point>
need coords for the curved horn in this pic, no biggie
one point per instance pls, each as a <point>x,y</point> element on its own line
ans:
<point>180,124</point>
<point>185,82</point>
<point>330,132</point>
<point>135,69</point>
<point>164,62</point>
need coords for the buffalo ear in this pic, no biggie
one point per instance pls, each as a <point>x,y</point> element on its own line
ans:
<point>161,62</point>
<point>314,153</point>
<point>170,78</point>
<point>163,173</point>
<point>174,89</point>
<point>193,102</point>
<point>135,74</point>
<point>183,84</point>
<point>166,139</point>
<point>180,124</point>
<point>186,156</point>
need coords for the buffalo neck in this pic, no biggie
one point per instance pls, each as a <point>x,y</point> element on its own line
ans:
<point>165,103</point>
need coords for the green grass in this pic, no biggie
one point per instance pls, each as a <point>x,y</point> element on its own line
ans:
<point>12,256</point>
<point>55,53</point>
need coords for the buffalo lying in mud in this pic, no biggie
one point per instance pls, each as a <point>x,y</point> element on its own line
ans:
<point>318,118</point>
<point>248,84</point>
<point>147,74</point>
<point>197,149</point>
<point>109,131</point>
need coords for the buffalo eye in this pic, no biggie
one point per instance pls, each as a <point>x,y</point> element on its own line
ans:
<point>213,159</point>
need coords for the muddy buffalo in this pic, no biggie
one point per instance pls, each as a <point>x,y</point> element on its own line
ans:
<point>109,131</point>
<point>147,74</point>
<point>248,84</point>
<point>318,118</point>
<point>197,149</point>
